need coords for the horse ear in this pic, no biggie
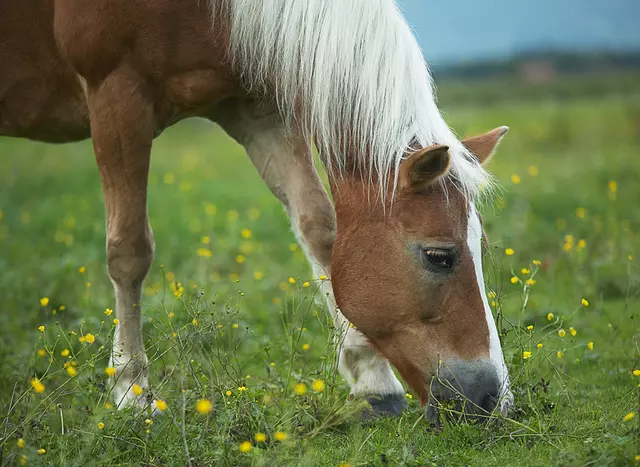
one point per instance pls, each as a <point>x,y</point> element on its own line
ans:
<point>423,167</point>
<point>484,146</point>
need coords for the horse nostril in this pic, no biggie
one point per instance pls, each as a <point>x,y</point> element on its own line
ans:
<point>470,387</point>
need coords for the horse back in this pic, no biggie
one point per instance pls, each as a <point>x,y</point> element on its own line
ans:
<point>52,51</point>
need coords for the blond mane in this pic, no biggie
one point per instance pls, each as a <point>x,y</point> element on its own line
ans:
<point>347,72</point>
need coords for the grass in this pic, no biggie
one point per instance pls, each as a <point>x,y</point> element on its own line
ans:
<point>220,312</point>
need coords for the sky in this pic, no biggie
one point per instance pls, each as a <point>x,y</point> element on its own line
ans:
<point>454,31</point>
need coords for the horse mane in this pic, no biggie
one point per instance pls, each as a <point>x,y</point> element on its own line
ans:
<point>350,74</point>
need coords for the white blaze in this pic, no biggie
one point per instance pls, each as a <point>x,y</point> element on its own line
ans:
<point>474,239</point>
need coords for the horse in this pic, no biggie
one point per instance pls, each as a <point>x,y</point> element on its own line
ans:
<point>401,242</point>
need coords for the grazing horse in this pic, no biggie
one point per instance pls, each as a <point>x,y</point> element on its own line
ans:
<point>402,241</point>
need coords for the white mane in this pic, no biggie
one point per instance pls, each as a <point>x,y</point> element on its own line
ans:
<point>356,75</point>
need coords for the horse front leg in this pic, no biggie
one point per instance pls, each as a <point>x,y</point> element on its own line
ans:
<point>122,128</point>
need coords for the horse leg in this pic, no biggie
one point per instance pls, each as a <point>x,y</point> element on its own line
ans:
<point>122,127</point>
<point>283,160</point>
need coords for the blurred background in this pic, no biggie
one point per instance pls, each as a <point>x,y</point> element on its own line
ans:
<point>540,44</point>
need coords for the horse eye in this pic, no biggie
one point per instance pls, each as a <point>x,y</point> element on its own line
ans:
<point>439,259</point>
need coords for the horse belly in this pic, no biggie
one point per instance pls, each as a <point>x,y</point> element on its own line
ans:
<point>41,97</point>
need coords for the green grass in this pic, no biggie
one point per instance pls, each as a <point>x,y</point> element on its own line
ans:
<point>569,410</point>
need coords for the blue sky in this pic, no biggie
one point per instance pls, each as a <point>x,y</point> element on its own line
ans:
<point>451,31</point>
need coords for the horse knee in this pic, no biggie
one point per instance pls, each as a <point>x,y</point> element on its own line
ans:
<point>318,229</point>
<point>129,258</point>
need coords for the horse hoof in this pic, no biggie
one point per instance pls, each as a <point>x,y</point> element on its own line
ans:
<point>387,405</point>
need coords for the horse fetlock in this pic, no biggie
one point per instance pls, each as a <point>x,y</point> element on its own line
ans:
<point>367,374</point>
<point>130,383</point>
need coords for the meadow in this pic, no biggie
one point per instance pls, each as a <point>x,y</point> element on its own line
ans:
<point>242,356</point>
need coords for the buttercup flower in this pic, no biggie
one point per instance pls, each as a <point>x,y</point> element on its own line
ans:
<point>110,371</point>
<point>37,385</point>
<point>100,426</point>
<point>526,354</point>
<point>561,332</point>
<point>161,405</point>
<point>300,389</point>
<point>280,436</point>
<point>590,345</point>
<point>204,406</point>
<point>44,301</point>
<point>260,437</point>
<point>318,385</point>
<point>246,446</point>
<point>584,302</point>
<point>137,389</point>
<point>509,252</point>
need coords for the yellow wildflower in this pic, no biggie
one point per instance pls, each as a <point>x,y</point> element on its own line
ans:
<point>530,327</point>
<point>636,372</point>
<point>90,338</point>
<point>100,426</point>
<point>584,302</point>
<point>42,451</point>
<point>509,252</point>
<point>42,352</point>
<point>204,252</point>
<point>246,233</point>
<point>590,345</point>
<point>514,280</point>
<point>530,282</point>
<point>204,406</point>
<point>559,354</point>
<point>258,275</point>
<point>260,437</point>
<point>582,243</point>
<point>515,179</point>
<point>82,269</point>
<point>240,259</point>
<point>242,388</point>
<point>37,385</point>
<point>71,371</point>
<point>44,301</point>
<point>306,346</point>
<point>194,321</point>
<point>41,328</point>
<point>137,389</point>
<point>280,436</point>
<point>526,354</point>
<point>306,284</point>
<point>228,393</point>
<point>540,345</point>
<point>205,240</point>
<point>108,311</point>
<point>110,371</point>
<point>300,389</point>
<point>550,317</point>
<point>161,405</point>
<point>628,417</point>
<point>581,212</point>
<point>246,446</point>
<point>21,443</point>
<point>318,385</point>
<point>292,280</point>
<point>525,271</point>
<point>235,325</point>
<point>573,331</point>
<point>117,321</point>
<point>537,262</point>
<point>323,278</point>
<point>561,332</point>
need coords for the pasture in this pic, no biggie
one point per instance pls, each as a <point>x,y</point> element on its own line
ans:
<point>230,317</point>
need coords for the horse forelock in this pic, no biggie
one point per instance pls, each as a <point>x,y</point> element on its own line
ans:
<point>351,76</point>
